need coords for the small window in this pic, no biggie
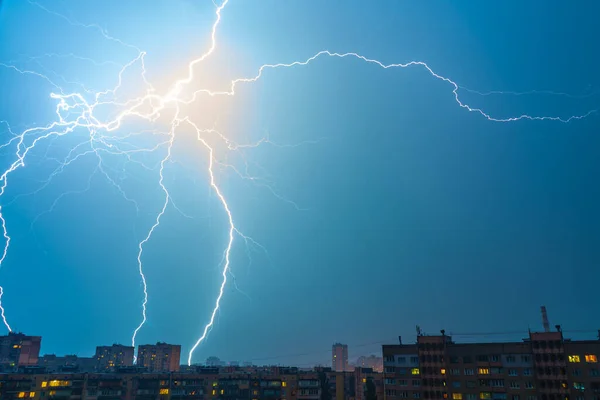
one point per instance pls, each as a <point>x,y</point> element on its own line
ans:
<point>456,396</point>
<point>591,358</point>
<point>485,395</point>
<point>574,359</point>
<point>415,371</point>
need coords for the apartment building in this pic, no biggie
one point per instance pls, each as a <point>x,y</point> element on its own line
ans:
<point>159,357</point>
<point>18,350</point>
<point>545,366</point>
<point>339,357</point>
<point>109,358</point>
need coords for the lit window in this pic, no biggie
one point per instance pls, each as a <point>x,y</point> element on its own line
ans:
<point>456,396</point>
<point>485,395</point>
<point>44,384</point>
<point>31,394</point>
<point>578,386</point>
<point>214,392</point>
<point>222,391</point>
<point>214,384</point>
<point>445,395</point>
<point>483,371</point>
<point>52,393</point>
<point>443,371</point>
<point>163,391</point>
<point>284,384</point>
<point>21,395</point>
<point>591,358</point>
<point>574,359</point>
<point>415,371</point>
<point>364,380</point>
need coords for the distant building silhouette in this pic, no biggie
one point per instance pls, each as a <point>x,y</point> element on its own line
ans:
<point>108,358</point>
<point>213,361</point>
<point>19,350</point>
<point>69,363</point>
<point>159,357</point>
<point>372,361</point>
<point>339,357</point>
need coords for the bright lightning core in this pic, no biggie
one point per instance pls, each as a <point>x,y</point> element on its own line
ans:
<point>104,115</point>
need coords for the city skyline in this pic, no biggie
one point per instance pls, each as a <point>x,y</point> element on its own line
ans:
<point>544,366</point>
<point>108,357</point>
<point>289,166</point>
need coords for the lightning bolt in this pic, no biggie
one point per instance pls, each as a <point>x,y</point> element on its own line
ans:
<point>74,113</point>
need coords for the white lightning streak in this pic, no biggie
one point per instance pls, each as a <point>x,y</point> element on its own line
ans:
<point>151,231</point>
<point>232,230</point>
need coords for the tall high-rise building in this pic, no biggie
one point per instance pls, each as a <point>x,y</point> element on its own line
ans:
<point>111,357</point>
<point>17,350</point>
<point>339,357</point>
<point>159,357</point>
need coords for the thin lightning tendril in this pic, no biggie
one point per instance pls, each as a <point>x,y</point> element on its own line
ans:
<point>75,112</point>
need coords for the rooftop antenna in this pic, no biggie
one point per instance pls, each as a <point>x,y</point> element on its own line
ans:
<point>545,319</point>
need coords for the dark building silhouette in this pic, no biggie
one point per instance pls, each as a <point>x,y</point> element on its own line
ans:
<point>68,363</point>
<point>19,350</point>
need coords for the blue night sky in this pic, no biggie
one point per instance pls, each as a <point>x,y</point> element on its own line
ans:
<point>381,203</point>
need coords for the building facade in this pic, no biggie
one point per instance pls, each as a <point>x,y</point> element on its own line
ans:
<point>545,366</point>
<point>109,358</point>
<point>204,383</point>
<point>159,357</point>
<point>339,357</point>
<point>19,350</point>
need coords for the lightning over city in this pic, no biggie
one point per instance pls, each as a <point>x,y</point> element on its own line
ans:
<point>102,125</point>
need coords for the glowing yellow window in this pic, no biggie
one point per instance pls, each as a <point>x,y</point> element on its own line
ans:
<point>364,380</point>
<point>163,391</point>
<point>443,371</point>
<point>484,371</point>
<point>31,394</point>
<point>284,384</point>
<point>44,384</point>
<point>52,393</point>
<point>591,358</point>
<point>21,395</point>
<point>214,392</point>
<point>222,391</point>
<point>485,395</point>
<point>214,384</point>
<point>456,396</point>
<point>574,359</point>
<point>415,371</point>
